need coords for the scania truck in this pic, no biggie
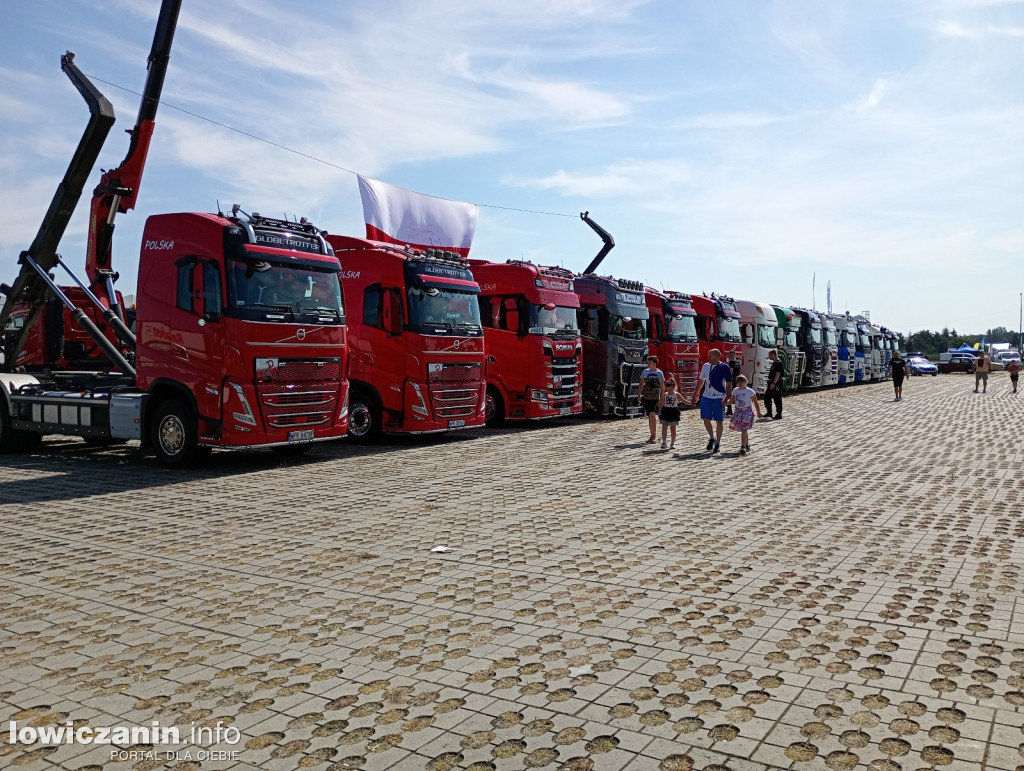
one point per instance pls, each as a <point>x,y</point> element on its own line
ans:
<point>793,359</point>
<point>672,336</point>
<point>533,345</point>
<point>759,330</point>
<point>812,343</point>
<point>718,326</point>
<point>417,340</point>
<point>613,321</point>
<point>241,330</point>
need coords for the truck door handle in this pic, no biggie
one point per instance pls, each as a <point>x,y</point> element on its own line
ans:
<point>491,360</point>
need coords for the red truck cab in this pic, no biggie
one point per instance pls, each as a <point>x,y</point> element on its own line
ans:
<point>718,326</point>
<point>241,333</point>
<point>534,353</point>
<point>417,341</point>
<point>673,337</point>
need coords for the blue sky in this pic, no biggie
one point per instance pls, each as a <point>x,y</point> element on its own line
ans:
<point>737,146</point>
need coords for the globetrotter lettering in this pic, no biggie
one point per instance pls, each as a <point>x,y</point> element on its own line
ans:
<point>287,241</point>
<point>429,269</point>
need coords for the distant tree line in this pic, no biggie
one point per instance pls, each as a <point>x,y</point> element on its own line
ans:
<point>933,343</point>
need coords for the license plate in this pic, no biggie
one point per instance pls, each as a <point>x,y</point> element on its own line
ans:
<point>565,411</point>
<point>305,435</point>
<point>456,424</point>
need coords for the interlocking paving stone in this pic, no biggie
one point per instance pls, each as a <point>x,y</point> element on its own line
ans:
<point>846,596</point>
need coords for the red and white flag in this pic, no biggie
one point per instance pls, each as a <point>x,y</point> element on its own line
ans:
<point>400,216</point>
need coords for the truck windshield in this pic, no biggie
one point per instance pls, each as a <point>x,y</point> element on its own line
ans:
<point>766,336</point>
<point>830,336</point>
<point>814,335</point>
<point>433,310</point>
<point>557,321</point>
<point>789,340</point>
<point>680,327</point>
<point>628,327</point>
<point>270,291</point>
<point>865,343</point>
<point>729,329</point>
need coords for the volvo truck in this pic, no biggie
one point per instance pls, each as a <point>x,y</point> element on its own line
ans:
<point>417,340</point>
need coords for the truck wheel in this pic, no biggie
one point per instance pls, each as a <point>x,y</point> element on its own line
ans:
<point>364,417</point>
<point>175,437</point>
<point>292,450</point>
<point>494,407</point>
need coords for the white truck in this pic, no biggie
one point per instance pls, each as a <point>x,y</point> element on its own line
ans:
<point>759,330</point>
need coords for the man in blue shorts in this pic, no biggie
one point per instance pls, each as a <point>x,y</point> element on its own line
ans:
<point>714,385</point>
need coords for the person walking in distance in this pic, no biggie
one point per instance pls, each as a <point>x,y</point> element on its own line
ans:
<point>670,413</point>
<point>713,386</point>
<point>981,367</point>
<point>773,392</point>
<point>652,389</point>
<point>1014,369</point>
<point>745,399</point>
<point>898,370</point>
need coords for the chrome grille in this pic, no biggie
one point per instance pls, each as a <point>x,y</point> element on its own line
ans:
<point>286,405</point>
<point>455,390</point>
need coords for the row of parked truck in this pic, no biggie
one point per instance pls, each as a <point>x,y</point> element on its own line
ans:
<point>251,331</point>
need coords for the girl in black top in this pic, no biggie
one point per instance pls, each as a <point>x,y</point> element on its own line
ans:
<point>670,413</point>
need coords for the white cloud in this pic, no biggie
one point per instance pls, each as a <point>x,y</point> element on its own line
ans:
<point>873,97</point>
<point>951,28</point>
<point>628,179</point>
<point>728,120</point>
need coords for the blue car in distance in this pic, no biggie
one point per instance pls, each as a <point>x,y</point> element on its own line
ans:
<point>919,365</point>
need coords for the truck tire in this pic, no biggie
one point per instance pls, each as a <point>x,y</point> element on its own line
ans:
<point>175,436</point>
<point>494,407</point>
<point>364,417</point>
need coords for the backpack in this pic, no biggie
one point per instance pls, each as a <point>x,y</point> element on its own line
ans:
<point>651,388</point>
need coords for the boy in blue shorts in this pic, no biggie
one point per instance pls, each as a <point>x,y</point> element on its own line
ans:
<point>714,385</point>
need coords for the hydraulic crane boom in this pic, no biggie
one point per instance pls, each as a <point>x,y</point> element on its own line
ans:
<point>609,242</point>
<point>116,193</point>
<point>29,287</point>
<point>119,188</point>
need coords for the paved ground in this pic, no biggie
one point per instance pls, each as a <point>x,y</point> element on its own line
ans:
<point>846,596</point>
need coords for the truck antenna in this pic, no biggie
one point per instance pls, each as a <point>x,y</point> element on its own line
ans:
<point>609,242</point>
<point>219,212</point>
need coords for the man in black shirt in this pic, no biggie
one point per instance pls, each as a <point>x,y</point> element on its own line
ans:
<point>898,370</point>
<point>773,394</point>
